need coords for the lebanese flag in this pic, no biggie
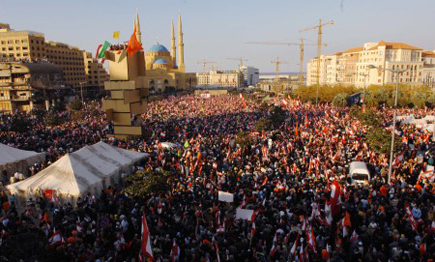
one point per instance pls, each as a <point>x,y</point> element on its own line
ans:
<point>335,193</point>
<point>398,160</point>
<point>241,96</point>
<point>48,193</point>
<point>354,237</point>
<point>79,228</point>
<point>312,240</point>
<point>175,252</point>
<point>215,165</point>
<point>328,217</point>
<point>264,181</point>
<point>55,239</point>
<point>145,246</point>
<point>411,217</point>
<point>273,250</point>
<point>294,247</point>
<point>253,231</point>
<point>326,253</point>
<point>302,256</point>
<point>345,223</point>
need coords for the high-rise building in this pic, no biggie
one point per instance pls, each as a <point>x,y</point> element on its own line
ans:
<point>352,66</point>
<point>29,46</point>
<point>251,75</point>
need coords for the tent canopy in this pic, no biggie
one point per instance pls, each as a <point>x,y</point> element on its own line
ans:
<point>16,160</point>
<point>90,169</point>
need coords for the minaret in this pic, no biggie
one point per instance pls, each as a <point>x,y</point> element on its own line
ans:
<point>173,48</point>
<point>180,45</point>
<point>137,26</point>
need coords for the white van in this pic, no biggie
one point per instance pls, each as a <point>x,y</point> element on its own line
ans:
<point>359,173</point>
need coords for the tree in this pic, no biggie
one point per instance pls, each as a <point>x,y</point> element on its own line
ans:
<point>144,183</point>
<point>243,139</point>
<point>76,105</point>
<point>263,124</point>
<point>340,100</point>
<point>53,119</point>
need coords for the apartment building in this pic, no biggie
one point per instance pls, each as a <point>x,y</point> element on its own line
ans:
<point>352,66</point>
<point>25,86</point>
<point>71,59</point>
<point>30,46</point>
<point>94,71</point>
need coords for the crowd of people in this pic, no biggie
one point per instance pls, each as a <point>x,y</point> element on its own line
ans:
<point>30,132</point>
<point>294,177</point>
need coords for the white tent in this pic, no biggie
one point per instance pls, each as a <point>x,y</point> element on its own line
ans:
<point>15,160</point>
<point>90,169</point>
<point>406,119</point>
<point>429,118</point>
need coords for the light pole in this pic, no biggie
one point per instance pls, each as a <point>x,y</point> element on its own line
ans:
<point>81,92</point>
<point>397,72</point>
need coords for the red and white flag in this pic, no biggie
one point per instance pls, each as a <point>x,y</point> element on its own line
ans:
<point>145,247</point>
<point>273,250</point>
<point>55,239</point>
<point>175,252</point>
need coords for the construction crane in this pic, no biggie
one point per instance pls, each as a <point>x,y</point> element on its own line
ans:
<point>301,53</point>
<point>239,59</point>
<point>204,63</point>
<point>277,63</point>
<point>319,48</point>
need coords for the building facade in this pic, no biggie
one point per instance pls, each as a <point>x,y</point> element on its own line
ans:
<point>25,86</point>
<point>251,75</point>
<point>352,66</point>
<point>95,73</point>
<point>29,46</point>
<point>232,78</point>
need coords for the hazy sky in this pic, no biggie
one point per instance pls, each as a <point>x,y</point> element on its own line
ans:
<point>216,30</point>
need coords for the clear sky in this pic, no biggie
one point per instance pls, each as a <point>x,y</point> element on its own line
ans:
<point>216,30</point>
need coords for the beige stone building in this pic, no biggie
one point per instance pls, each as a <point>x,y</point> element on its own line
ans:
<point>352,66</point>
<point>233,78</point>
<point>25,86</point>
<point>95,73</point>
<point>29,46</point>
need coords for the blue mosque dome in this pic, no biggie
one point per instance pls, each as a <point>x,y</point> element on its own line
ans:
<point>158,48</point>
<point>160,62</point>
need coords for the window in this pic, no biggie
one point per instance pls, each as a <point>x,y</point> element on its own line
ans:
<point>10,48</point>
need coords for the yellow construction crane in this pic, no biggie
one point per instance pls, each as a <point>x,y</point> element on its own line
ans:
<point>204,63</point>
<point>241,59</point>
<point>277,63</point>
<point>319,48</point>
<point>301,53</point>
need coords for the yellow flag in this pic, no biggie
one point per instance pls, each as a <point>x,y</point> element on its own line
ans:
<point>116,34</point>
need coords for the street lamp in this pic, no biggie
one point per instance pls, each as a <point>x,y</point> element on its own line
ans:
<point>81,92</point>
<point>397,72</point>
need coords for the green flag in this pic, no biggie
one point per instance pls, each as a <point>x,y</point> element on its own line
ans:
<point>103,49</point>
<point>202,109</point>
<point>266,98</point>
<point>186,144</point>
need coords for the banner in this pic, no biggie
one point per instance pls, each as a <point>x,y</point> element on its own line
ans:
<point>226,197</point>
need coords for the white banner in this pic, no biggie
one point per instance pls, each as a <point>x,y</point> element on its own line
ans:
<point>225,196</point>
<point>244,214</point>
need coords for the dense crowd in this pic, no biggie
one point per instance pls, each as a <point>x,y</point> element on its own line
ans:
<point>295,177</point>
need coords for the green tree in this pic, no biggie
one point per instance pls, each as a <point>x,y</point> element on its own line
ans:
<point>76,105</point>
<point>340,100</point>
<point>144,183</point>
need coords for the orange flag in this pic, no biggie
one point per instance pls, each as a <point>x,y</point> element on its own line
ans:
<point>133,44</point>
